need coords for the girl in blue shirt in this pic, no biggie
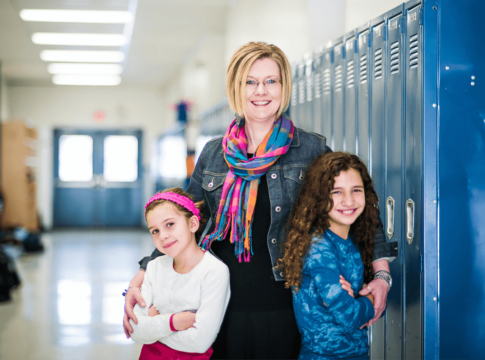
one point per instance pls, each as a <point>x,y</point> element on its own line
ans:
<point>331,238</point>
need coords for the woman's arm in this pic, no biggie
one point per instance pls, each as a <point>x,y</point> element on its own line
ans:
<point>214,300</point>
<point>348,312</point>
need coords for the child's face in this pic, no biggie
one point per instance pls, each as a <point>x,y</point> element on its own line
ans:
<point>170,231</point>
<point>348,201</point>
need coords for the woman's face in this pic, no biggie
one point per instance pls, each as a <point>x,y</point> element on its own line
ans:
<point>263,91</point>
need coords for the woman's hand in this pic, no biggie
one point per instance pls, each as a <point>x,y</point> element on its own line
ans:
<point>369,295</point>
<point>132,297</point>
<point>152,311</point>
<point>378,289</point>
<point>346,286</point>
<point>183,320</point>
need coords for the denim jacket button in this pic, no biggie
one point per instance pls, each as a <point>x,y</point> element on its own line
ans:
<point>274,176</point>
<point>278,209</point>
<point>273,241</point>
<point>282,274</point>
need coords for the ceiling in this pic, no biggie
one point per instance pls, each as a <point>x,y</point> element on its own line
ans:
<point>164,33</point>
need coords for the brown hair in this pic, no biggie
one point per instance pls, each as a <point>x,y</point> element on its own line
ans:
<point>180,209</point>
<point>309,215</point>
<point>238,70</point>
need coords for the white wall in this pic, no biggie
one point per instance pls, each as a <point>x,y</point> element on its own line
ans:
<point>359,12</point>
<point>61,106</point>
<point>283,23</point>
<point>327,21</point>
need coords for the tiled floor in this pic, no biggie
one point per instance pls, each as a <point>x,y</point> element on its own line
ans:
<point>69,305</point>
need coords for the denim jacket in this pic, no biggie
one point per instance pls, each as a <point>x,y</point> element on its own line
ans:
<point>284,178</point>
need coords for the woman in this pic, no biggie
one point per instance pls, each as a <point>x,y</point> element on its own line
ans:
<point>259,321</point>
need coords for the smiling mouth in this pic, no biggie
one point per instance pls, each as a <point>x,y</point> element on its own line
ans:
<point>347,212</point>
<point>260,103</point>
<point>169,244</point>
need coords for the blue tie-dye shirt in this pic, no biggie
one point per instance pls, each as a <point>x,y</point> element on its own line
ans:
<point>332,331</point>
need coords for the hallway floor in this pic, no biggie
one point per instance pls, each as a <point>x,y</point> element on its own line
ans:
<point>69,305</point>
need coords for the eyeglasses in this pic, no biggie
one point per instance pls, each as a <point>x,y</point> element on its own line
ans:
<point>269,84</point>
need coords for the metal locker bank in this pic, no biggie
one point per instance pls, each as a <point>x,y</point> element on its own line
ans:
<point>406,93</point>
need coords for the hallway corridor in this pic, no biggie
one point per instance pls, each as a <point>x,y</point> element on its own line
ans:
<point>69,305</point>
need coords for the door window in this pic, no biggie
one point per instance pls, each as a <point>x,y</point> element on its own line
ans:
<point>75,158</point>
<point>120,158</point>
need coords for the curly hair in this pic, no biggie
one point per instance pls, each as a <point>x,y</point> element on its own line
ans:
<point>310,217</point>
<point>180,209</point>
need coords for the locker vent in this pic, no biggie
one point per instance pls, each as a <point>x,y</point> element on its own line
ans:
<point>395,57</point>
<point>413,51</point>
<point>294,94</point>
<point>363,69</point>
<point>378,64</point>
<point>350,74</point>
<point>309,89</point>
<point>317,83</point>
<point>301,91</point>
<point>338,78</point>
<point>326,81</point>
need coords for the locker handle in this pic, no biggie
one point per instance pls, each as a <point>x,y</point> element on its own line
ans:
<point>409,221</point>
<point>390,216</point>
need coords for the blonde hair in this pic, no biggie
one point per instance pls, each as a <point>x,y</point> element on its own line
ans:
<point>238,71</point>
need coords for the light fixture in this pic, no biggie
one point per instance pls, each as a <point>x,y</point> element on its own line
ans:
<point>76,16</point>
<point>79,39</point>
<point>88,69</point>
<point>90,80</point>
<point>82,56</point>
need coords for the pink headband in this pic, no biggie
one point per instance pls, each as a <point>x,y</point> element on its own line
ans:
<point>175,198</point>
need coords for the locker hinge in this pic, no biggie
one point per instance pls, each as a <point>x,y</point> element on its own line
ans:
<point>421,258</point>
<point>402,25</point>
<point>356,46</point>
<point>384,31</point>
<point>402,258</point>
<point>421,15</point>
<point>344,52</point>
<point>369,39</point>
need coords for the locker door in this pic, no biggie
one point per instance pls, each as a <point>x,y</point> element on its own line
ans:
<point>308,115</point>
<point>338,98</point>
<point>377,156</point>
<point>300,113</point>
<point>317,93</point>
<point>362,72</point>
<point>294,94</point>
<point>350,124</point>
<point>327,95</point>
<point>394,193</point>
<point>412,336</point>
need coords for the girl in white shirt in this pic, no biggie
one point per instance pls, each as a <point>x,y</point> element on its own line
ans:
<point>187,291</point>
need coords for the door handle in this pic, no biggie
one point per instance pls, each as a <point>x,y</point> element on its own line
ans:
<point>409,221</point>
<point>390,216</point>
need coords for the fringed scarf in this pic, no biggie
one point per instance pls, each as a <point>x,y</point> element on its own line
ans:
<point>240,189</point>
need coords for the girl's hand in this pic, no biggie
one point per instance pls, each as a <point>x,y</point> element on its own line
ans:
<point>346,286</point>
<point>183,320</point>
<point>369,295</point>
<point>152,311</point>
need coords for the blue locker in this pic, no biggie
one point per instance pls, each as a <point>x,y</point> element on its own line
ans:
<point>394,189</point>
<point>300,111</point>
<point>350,88</point>
<point>308,106</point>
<point>294,94</point>
<point>362,84</point>
<point>317,92</point>
<point>327,96</point>
<point>411,244</point>
<point>338,96</point>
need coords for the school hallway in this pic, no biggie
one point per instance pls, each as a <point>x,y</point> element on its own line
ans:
<point>69,305</point>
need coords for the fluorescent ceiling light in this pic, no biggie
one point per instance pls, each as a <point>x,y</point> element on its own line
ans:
<point>91,80</point>
<point>88,69</point>
<point>79,39</point>
<point>82,56</point>
<point>77,16</point>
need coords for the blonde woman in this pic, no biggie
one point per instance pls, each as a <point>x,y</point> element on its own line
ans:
<point>249,179</point>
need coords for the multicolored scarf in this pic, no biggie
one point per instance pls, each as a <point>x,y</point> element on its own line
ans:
<point>240,189</point>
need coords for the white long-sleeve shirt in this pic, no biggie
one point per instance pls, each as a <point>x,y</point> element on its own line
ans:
<point>205,289</point>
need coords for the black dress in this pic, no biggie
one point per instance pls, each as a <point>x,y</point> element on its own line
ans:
<point>259,322</point>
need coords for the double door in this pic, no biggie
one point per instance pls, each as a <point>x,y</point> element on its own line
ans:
<point>97,178</point>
